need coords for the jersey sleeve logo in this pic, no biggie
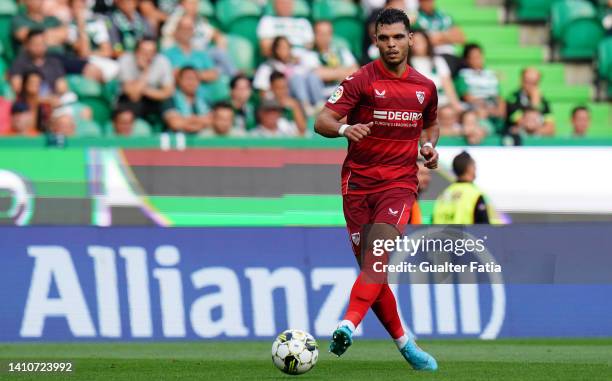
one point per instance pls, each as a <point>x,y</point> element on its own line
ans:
<point>336,95</point>
<point>420,96</point>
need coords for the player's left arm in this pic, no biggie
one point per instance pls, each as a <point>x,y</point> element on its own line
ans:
<point>431,131</point>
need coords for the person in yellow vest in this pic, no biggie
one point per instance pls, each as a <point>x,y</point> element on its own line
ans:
<point>462,202</point>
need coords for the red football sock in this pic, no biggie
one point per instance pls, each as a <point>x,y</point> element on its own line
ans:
<point>385,309</point>
<point>363,295</point>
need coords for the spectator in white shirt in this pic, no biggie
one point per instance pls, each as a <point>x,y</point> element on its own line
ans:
<point>297,29</point>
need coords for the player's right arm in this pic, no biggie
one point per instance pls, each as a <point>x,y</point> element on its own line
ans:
<point>345,98</point>
<point>328,124</point>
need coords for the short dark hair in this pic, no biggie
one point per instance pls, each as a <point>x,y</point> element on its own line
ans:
<point>579,108</point>
<point>236,78</point>
<point>183,69</point>
<point>222,104</point>
<point>276,75</point>
<point>33,33</point>
<point>144,39</point>
<point>120,109</point>
<point>390,16</point>
<point>461,163</point>
<point>467,49</point>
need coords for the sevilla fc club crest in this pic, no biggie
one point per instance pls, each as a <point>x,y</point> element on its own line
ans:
<point>356,237</point>
<point>420,96</point>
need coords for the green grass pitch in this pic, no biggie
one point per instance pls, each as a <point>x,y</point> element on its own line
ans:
<point>473,360</point>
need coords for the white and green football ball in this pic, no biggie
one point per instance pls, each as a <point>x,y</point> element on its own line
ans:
<point>295,351</point>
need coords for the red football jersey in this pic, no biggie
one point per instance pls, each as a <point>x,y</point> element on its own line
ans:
<point>399,108</point>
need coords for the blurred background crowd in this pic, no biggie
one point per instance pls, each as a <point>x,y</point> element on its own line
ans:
<point>264,68</point>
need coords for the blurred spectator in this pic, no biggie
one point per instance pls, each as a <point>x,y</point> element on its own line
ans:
<point>423,60</point>
<point>296,29</point>
<point>334,62</point>
<point>127,27</point>
<point>305,85</point>
<point>223,122</point>
<point>205,37</point>
<point>473,128</point>
<point>185,111</point>
<point>410,7</point>
<point>240,99</point>
<point>125,123</point>
<point>449,122</point>
<point>606,20</point>
<point>581,121</point>
<point>146,80</point>
<point>530,124</point>
<point>34,108</point>
<point>62,122</point>
<point>183,54</point>
<point>59,9</point>
<point>292,111</point>
<point>34,56</point>
<point>5,115</point>
<point>444,34</point>
<point>21,121</point>
<point>55,34</point>
<point>530,96</point>
<point>271,121</point>
<point>89,38</point>
<point>479,87</point>
<point>156,11</point>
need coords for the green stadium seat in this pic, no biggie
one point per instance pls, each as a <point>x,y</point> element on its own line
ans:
<point>92,94</point>
<point>217,90</point>
<point>229,11</point>
<point>240,18</point>
<point>206,9</point>
<point>575,29</point>
<point>242,53</point>
<point>533,11</point>
<point>300,9</point>
<point>346,18</point>
<point>604,66</point>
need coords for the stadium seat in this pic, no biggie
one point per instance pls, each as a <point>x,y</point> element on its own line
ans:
<point>240,18</point>
<point>217,90</point>
<point>8,9</point>
<point>206,9</point>
<point>242,53</point>
<point>346,18</point>
<point>604,66</point>
<point>575,29</point>
<point>92,94</point>
<point>300,9</point>
<point>533,11</point>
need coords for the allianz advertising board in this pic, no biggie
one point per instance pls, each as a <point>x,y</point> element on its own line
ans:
<point>70,283</point>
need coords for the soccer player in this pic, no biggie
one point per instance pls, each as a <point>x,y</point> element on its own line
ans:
<point>390,108</point>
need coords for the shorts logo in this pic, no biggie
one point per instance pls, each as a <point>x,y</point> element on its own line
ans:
<point>420,96</point>
<point>380,94</point>
<point>393,212</point>
<point>356,238</point>
<point>336,95</point>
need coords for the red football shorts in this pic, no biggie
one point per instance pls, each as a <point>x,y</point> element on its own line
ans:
<point>392,206</point>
